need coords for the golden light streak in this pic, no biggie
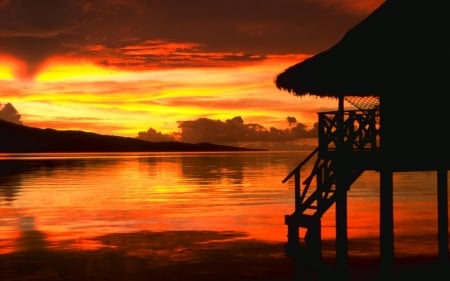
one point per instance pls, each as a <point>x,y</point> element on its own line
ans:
<point>10,68</point>
<point>6,73</point>
<point>56,71</point>
<point>68,94</point>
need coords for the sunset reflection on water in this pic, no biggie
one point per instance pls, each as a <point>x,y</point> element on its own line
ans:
<point>70,200</point>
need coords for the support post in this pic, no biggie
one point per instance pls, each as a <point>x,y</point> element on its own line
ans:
<point>341,233</point>
<point>341,199</point>
<point>297,190</point>
<point>386,223</point>
<point>442,200</point>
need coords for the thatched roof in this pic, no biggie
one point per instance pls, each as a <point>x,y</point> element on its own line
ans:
<point>400,46</point>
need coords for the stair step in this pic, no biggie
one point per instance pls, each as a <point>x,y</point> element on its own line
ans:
<point>302,220</point>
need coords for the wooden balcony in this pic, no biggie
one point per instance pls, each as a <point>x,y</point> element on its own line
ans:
<point>356,136</point>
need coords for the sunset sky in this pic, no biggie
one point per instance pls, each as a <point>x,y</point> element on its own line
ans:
<point>122,67</point>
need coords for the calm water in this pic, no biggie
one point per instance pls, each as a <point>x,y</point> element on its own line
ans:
<point>72,198</point>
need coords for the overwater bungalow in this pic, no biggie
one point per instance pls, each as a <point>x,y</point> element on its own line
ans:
<point>391,67</point>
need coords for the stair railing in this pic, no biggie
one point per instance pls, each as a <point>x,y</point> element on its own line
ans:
<point>299,198</point>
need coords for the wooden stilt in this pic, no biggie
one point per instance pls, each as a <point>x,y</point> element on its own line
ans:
<point>442,194</point>
<point>386,223</point>
<point>341,233</point>
<point>341,200</point>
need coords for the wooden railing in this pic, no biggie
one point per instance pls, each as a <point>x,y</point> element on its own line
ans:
<point>360,130</point>
<point>299,197</point>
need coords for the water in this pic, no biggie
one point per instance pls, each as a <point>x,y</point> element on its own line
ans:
<point>73,198</point>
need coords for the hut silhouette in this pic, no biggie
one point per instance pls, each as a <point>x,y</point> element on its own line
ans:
<point>391,68</point>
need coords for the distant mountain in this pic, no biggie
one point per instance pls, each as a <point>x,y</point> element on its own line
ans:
<point>20,139</point>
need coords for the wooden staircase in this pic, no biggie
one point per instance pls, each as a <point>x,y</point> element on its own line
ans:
<point>312,201</point>
<point>317,192</point>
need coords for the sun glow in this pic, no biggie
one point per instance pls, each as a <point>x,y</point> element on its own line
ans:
<point>57,71</point>
<point>6,73</point>
<point>10,68</point>
<point>68,93</point>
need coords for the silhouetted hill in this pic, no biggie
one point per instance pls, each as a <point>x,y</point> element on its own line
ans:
<point>19,138</point>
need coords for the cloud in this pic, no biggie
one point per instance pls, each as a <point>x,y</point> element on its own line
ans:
<point>291,120</point>
<point>350,6</point>
<point>230,131</point>
<point>9,113</point>
<point>236,130</point>
<point>4,3</point>
<point>35,30</point>
<point>141,34</point>
<point>154,136</point>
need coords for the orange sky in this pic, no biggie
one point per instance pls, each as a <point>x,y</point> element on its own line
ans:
<point>121,67</point>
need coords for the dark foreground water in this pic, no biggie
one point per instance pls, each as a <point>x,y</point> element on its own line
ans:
<point>130,210</point>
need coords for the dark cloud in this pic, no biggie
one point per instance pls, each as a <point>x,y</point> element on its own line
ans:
<point>230,131</point>
<point>35,30</point>
<point>9,113</point>
<point>153,135</point>
<point>236,130</point>
<point>105,29</point>
<point>291,120</point>
<point>39,19</point>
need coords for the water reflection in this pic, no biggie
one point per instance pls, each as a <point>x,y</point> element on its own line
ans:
<point>8,191</point>
<point>13,172</point>
<point>30,239</point>
<point>206,169</point>
<point>10,182</point>
<point>74,197</point>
